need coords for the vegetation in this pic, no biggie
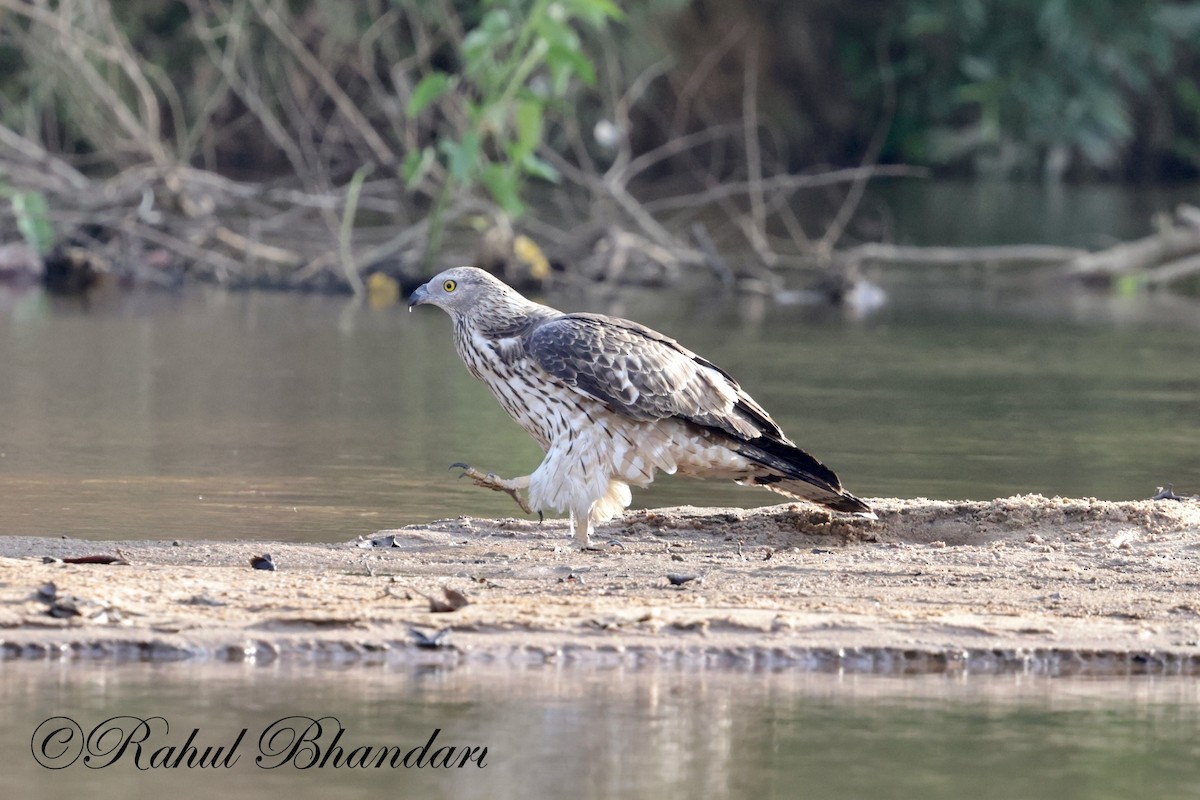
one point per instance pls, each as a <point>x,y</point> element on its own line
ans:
<point>308,142</point>
<point>515,63</point>
<point>1083,87</point>
<point>32,218</point>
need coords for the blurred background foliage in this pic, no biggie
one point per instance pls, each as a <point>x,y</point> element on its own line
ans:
<point>1052,86</point>
<point>244,136</point>
<point>1077,88</point>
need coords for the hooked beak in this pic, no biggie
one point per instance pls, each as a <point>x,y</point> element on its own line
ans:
<point>419,296</point>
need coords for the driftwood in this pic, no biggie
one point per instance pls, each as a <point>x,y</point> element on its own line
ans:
<point>1165,257</point>
<point>1173,271</point>
<point>1171,248</point>
<point>1005,254</point>
<point>1171,254</point>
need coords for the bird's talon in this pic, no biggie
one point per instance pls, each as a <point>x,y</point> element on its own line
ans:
<point>466,469</point>
<point>492,481</point>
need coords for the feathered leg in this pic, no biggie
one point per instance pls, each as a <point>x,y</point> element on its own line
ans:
<point>581,524</point>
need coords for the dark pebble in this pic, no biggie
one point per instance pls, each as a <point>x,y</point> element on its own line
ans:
<point>263,562</point>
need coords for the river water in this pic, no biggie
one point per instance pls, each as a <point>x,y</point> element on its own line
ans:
<point>268,416</point>
<point>609,733</point>
<point>274,416</point>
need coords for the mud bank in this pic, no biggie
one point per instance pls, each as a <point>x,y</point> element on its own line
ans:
<point>1027,584</point>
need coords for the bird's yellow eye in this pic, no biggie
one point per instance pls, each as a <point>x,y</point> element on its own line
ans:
<point>450,286</point>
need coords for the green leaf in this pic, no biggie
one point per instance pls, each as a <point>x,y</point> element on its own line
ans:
<point>497,21</point>
<point>481,43</point>
<point>1187,92</point>
<point>596,12</point>
<point>492,117</point>
<point>416,165</point>
<point>1127,285</point>
<point>504,184</point>
<point>33,220</point>
<point>977,69</point>
<point>431,87</point>
<point>529,117</point>
<point>562,60</point>
<point>539,169</point>
<point>462,157</point>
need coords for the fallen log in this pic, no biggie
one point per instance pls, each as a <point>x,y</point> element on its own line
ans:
<point>1003,254</point>
<point>1172,271</point>
<point>1164,257</point>
<point>1139,255</point>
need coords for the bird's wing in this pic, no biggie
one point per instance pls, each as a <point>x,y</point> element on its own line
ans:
<point>644,375</point>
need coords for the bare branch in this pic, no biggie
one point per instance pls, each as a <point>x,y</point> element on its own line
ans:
<point>1010,254</point>
<point>1139,254</point>
<point>1173,271</point>
<point>78,48</point>
<point>36,156</point>
<point>269,14</point>
<point>701,74</point>
<point>853,197</point>
<point>673,147</point>
<point>780,183</point>
<point>756,226</point>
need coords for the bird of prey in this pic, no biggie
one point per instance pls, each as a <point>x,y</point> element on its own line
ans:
<point>611,402</point>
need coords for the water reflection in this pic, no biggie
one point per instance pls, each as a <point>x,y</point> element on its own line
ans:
<point>598,733</point>
<point>305,418</point>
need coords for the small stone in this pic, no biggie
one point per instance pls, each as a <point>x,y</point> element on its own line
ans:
<point>263,562</point>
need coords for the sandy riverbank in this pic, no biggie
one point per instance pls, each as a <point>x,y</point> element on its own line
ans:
<point>1025,583</point>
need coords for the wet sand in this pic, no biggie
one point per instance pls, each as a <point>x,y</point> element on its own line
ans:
<point>1020,584</point>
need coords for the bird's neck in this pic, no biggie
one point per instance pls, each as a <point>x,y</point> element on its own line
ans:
<point>517,316</point>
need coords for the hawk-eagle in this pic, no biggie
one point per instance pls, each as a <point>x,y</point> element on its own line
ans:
<point>610,402</point>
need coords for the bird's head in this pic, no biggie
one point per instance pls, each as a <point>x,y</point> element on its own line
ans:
<point>457,290</point>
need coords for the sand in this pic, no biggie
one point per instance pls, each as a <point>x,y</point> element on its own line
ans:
<point>1019,584</point>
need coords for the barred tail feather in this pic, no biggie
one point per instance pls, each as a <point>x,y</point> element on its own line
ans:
<point>843,502</point>
<point>795,473</point>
